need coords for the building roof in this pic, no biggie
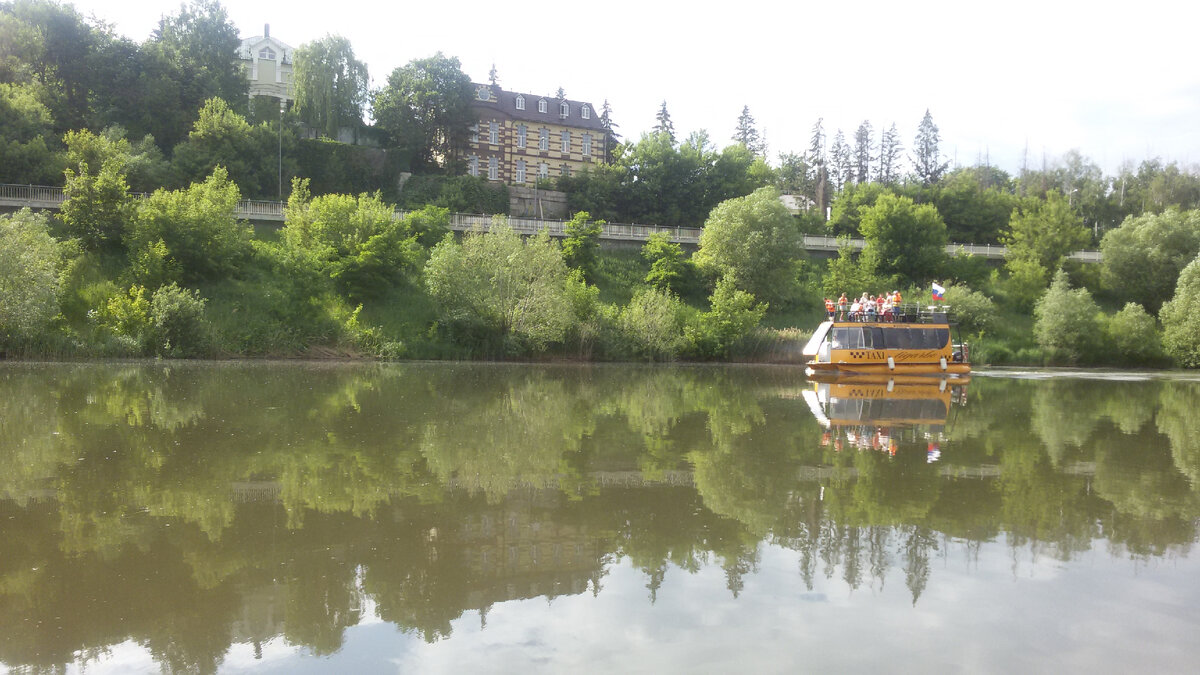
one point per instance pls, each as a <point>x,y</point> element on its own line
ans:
<point>505,102</point>
<point>251,45</point>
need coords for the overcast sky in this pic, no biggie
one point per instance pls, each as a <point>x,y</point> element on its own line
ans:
<point>1117,82</point>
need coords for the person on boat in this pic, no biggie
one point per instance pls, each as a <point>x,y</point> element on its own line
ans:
<point>855,310</point>
<point>870,310</point>
<point>828,309</point>
<point>887,310</point>
<point>843,306</point>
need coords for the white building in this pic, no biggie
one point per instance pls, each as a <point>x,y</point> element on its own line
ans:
<point>268,65</point>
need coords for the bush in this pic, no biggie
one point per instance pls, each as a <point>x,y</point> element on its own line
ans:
<point>128,317</point>
<point>1133,336</point>
<point>651,325</point>
<point>179,329</point>
<point>29,282</point>
<point>1065,320</point>
<point>975,312</point>
<point>459,194</point>
<point>1181,318</point>
<point>733,315</point>
<point>581,242</point>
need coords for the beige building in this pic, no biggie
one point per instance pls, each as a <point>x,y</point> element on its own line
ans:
<point>518,138</point>
<point>268,64</point>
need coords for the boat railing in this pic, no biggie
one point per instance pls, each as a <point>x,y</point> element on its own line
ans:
<point>909,312</point>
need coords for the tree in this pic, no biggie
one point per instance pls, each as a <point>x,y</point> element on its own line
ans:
<point>747,134</point>
<point>888,170</point>
<point>222,137</point>
<point>976,203</point>
<point>1144,256</point>
<point>29,284</point>
<point>198,226</point>
<point>818,175</point>
<point>1181,318</point>
<point>862,156</point>
<point>1133,336</point>
<point>581,243</point>
<point>754,241</point>
<point>732,314</point>
<point>25,124</point>
<point>663,123</point>
<point>98,207</point>
<point>927,162</point>
<point>669,268</point>
<point>1065,320</point>
<point>425,109</point>
<point>331,85</point>
<point>199,45</point>
<point>496,286</point>
<point>905,241</point>
<point>57,51</point>
<point>611,137</point>
<point>840,161</point>
<point>1044,232</point>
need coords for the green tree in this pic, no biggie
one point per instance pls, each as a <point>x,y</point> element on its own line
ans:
<point>905,241</point>
<point>249,154</point>
<point>581,243</point>
<point>98,207</point>
<point>927,160</point>
<point>198,225</point>
<point>356,241</point>
<point>1133,336</point>
<point>862,155</point>
<point>1065,322</point>
<point>425,109</point>
<point>331,85</point>
<point>976,203</point>
<point>732,314</point>
<point>1181,318</point>
<point>669,268</point>
<point>754,241</point>
<point>887,170</point>
<point>747,134</point>
<point>29,285</point>
<point>848,273</point>
<point>1144,256</point>
<point>974,311</point>
<point>1045,232</point>
<point>495,285</point>
<point>652,324</point>
<point>663,124</point>
<point>25,124</point>
<point>197,49</point>
<point>177,317</point>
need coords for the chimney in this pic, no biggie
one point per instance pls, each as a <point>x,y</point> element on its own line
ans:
<point>266,30</point>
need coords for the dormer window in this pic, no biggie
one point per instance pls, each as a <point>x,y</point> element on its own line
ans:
<point>541,105</point>
<point>564,110</point>
<point>520,102</point>
<point>586,112</point>
<point>267,54</point>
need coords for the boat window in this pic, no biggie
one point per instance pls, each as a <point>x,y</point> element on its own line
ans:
<point>943,336</point>
<point>898,338</point>
<point>873,338</point>
<point>847,338</point>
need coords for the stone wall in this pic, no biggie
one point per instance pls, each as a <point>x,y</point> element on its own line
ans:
<point>524,202</point>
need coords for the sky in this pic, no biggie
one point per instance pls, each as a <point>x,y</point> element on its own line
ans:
<point>1007,84</point>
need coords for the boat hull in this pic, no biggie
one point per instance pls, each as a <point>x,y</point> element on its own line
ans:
<point>900,368</point>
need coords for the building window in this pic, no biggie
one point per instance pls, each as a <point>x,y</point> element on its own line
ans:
<point>586,112</point>
<point>473,165</point>
<point>543,170</point>
<point>475,132</point>
<point>587,145</point>
<point>543,139</point>
<point>267,53</point>
<point>521,132</point>
<point>494,133</point>
<point>564,170</point>
<point>520,171</point>
<point>493,168</point>
<point>520,102</point>
<point>566,141</point>
<point>564,110</point>
<point>541,105</point>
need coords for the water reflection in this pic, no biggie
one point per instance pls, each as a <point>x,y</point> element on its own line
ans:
<point>190,507</point>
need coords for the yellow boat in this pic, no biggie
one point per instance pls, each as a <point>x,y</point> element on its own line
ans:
<point>912,343</point>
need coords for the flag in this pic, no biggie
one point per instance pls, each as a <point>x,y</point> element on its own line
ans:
<point>938,291</point>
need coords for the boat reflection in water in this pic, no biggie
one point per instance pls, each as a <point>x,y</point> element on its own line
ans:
<point>879,413</point>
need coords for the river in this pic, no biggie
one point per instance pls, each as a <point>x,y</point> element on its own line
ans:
<point>437,517</point>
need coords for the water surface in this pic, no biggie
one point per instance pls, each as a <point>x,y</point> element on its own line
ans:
<point>443,517</point>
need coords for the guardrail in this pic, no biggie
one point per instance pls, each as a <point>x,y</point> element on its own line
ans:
<point>49,197</point>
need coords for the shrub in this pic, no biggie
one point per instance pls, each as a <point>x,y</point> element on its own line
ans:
<point>581,242</point>
<point>179,329</point>
<point>733,314</point>
<point>1181,318</point>
<point>1065,320</point>
<point>1133,336</point>
<point>975,312</point>
<point>651,325</point>
<point>127,316</point>
<point>29,282</point>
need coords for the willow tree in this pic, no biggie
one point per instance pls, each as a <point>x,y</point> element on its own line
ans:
<point>331,85</point>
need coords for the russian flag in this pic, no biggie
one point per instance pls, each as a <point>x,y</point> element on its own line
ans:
<point>938,291</point>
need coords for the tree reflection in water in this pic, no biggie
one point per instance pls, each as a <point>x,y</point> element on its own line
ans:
<point>190,506</point>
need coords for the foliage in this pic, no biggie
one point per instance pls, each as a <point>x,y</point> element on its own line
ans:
<point>177,316</point>
<point>976,203</point>
<point>333,167</point>
<point>459,194</point>
<point>1065,322</point>
<point>652,324</point>
<point>754,241</point>
<point>29,283</point>
<point>142,164</point>
<point>198,225</point>
<point>25,156</point>
<point>496,286</point>
<point>97,207</point>
<point>1144,256</point>
<point>670,270</point>
<point>905,241</point>
<point>1132,336</point>
<point>357,241</point>
<point>1025,283</point>
<point>249,154</point>
<point>581,243</point>
<point>747,134</point>
<point>429,224</point>
<point>331,85</point>
<point>128,315</point>
<point>847,273</point>
<point>1044,232</point>
<point>1181,318</point>
<point>846,213</point>
<point>732,315</point>
<point>927,157</point>
<point>425,109</point>
<point>975,312</point>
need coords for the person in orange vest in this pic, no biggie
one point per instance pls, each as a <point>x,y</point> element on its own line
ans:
<point>828,309</point>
